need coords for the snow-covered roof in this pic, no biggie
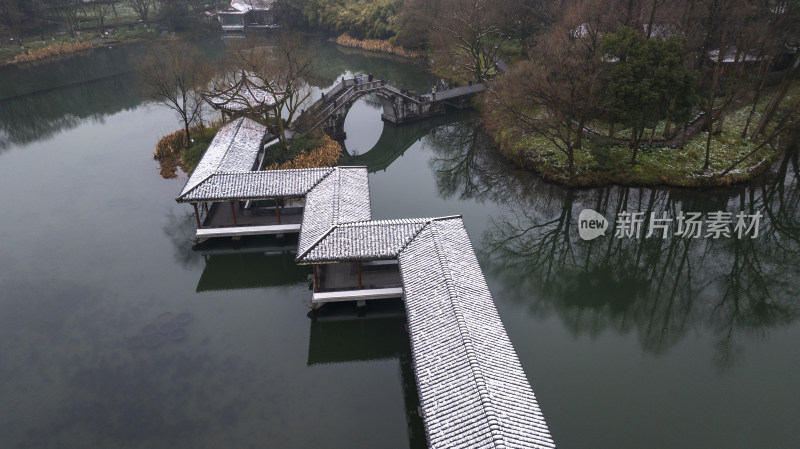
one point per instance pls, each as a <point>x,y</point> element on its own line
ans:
<point>580,31</point>
<point>363,241</point>
<point>234,149</point>
<point>252,5</point>
<point>255,185</point>
<point>473,391</point>
<point>662,30</point>
<point>341,197</point>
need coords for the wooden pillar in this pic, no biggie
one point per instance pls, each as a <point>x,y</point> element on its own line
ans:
<point>196,215</point>
<point>359,275</point>
<point>316,280</point>
<point>205,207</point>
<point>233,214</point>
<point>278,211</point>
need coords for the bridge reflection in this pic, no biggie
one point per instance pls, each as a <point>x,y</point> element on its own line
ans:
<point>396,140</point>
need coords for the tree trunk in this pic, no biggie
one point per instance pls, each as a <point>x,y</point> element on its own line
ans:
<point>720,121</point>
<point>668,124</point>
<point>635,138</point>
<point>685,130</point>
<point>764,71</point>
<point>712,95</point>
<point>772,107</point>
<point>652,17</point>
<point>571,161</point>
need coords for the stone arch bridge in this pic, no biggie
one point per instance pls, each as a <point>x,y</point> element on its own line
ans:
<point>399,105</point>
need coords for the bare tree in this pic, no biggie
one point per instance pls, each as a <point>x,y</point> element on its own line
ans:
<point>67,10</point>
<point>280,70</point>
<point>173,77</point>
<point>416,18</point>
<point>11,18</point>
<point>101,9</point>
<point>174,13</point>
<point>141,8</point>
<point>555,93</point>
<point>467,37</point>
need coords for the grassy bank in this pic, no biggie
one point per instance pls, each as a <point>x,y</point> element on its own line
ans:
<point>119,25</point>
<point>601,162</point>
<point>47,50</point>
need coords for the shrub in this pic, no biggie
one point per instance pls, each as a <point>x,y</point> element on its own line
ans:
<point>380,45</point>
<point>325,155</point>
<point>171,151</point>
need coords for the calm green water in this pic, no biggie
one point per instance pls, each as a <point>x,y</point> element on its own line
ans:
<point>628,343</point>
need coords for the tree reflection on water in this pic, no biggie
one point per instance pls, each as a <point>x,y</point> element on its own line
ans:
<point>657,288</point>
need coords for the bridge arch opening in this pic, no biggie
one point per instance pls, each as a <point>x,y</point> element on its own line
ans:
<point>363,125</point>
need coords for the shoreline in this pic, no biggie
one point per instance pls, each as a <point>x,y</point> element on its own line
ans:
<point>95,42</point>
<point>625,175</point>
<point>748,175</point>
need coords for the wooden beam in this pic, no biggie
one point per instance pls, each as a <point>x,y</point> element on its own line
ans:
<point>196,215</point>
<point>359,275</point>
<point>277,211</point>
<point>316,280</point>
<point>233,214</point>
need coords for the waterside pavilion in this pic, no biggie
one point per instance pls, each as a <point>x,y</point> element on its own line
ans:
<point>472,388</point>
<point>247,14</point>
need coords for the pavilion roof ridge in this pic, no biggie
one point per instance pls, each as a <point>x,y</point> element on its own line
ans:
<point>213,168</point>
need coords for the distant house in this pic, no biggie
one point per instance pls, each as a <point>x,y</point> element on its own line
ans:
<point>247,14</point>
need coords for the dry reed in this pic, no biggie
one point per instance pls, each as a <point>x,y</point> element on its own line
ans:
<point>169,149</point>
<point>170,145</point>
<point>383,46</point>
<point>326,155</point>
<point>51,51</point>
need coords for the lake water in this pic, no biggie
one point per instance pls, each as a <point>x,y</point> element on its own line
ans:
<point>628,343</point>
